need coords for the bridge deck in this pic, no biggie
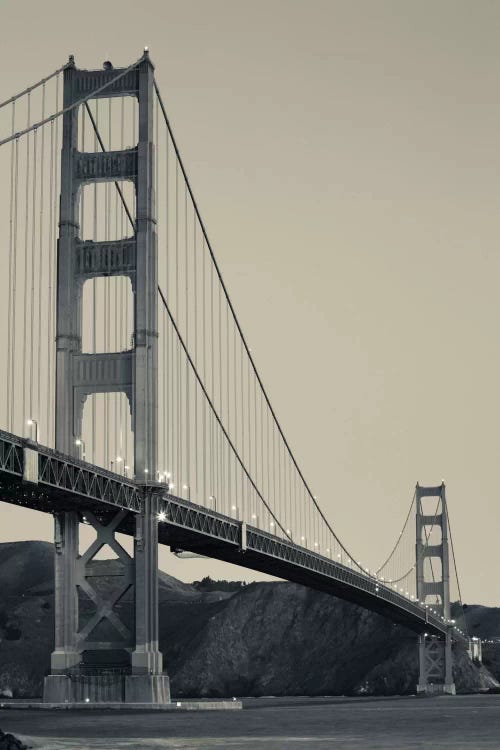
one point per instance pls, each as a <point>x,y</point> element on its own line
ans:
<point>65,483</point>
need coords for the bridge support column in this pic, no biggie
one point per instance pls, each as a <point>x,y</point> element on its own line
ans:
<point>66,654</point>
<point>147,683</point>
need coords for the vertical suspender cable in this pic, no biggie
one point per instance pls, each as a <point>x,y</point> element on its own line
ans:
<point>188,431</point>
<point>195,296</point>
<point>14,283</point>
<point>178,371</point>
<point>41,266</point>
<point>54,137</point>
<point>32,273</point>
<point>242,394</point>
<point>212,385</point>
<point>236,435</point>
<point>228,395</point>
<point>106,316</point>
<point>122,304</point>
<point>220,447</point>
<point>205,436</point>
<point>11,300</point>
<point>25,274</point>
<point>94,300</point>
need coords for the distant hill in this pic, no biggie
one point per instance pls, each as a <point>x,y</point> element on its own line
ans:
<point>259,639</point>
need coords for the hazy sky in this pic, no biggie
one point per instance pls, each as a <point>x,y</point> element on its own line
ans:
<point>346,160</point>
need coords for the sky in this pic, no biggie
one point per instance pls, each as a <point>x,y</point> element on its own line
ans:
<point>346,160</point>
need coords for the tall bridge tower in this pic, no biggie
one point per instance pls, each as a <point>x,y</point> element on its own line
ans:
<point>132,372</point>
<point>435,653</point>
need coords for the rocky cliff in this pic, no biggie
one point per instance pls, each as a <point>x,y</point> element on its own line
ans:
<point>263,639</point>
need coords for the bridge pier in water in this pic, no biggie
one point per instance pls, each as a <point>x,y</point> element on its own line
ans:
<point>142,679</point>
<point>435,653</point>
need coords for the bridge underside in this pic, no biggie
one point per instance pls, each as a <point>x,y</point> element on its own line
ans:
<point>221,540</point>
<point>267,563</point>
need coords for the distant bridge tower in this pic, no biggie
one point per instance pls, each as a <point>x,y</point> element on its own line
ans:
<point>133,372</point>
<point>435,653</point>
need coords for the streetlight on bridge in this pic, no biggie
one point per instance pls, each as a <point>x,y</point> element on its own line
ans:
<point>213,499</point>
<point>81,444</point>
<point>30,422</point>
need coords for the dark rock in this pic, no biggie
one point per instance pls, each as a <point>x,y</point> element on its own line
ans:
<point>9,742</point>
<point>260,639</point>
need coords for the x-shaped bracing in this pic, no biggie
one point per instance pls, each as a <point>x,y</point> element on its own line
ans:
<point>105,606</point>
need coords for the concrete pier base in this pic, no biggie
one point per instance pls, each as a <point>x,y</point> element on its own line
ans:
<point>430,689</point>
<point>184,705</point>
<point>147,688</point>
<point>57,689</point>
<point>107,688</point>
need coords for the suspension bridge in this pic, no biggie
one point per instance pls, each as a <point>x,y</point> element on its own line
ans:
<point>132,402</point>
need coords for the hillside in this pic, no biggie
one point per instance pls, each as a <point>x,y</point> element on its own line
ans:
<point>265,638</point>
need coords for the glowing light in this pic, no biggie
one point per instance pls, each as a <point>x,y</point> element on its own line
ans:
<point>162,516</point>
<point>77,441</point>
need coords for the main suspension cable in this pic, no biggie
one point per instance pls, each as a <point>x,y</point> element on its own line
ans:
<point>28,90</point>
